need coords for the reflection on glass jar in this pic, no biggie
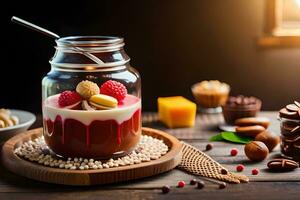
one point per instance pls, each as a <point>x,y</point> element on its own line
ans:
<point>96,120</point>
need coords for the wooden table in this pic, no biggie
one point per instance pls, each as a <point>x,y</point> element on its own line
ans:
<point>264,186</point>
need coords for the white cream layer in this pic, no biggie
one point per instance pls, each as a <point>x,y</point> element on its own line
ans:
<point>87,117</point>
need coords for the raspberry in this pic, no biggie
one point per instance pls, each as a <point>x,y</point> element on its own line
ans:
<point>240,168</point>
<point>181,184</point>
<point>114,89</point>
<point>255,171</point>
<point>68,98</point>
<point>233,152</point>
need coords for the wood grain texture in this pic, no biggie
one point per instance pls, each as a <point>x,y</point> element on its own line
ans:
<point>90,177</point>
<point>206,125</point>
<point>14,187</point>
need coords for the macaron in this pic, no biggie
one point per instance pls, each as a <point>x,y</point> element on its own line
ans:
<point>101,101</point>
<point>252,121</point>
<point>249,131</point>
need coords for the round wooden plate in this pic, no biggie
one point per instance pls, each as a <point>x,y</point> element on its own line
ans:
<point>90,177</point>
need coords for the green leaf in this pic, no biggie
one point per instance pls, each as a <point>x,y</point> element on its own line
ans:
<point>216,138</point>
<point>232,137</point>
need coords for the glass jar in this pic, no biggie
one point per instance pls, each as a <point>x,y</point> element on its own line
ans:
<point>73,126</point>
<point>290,138</point>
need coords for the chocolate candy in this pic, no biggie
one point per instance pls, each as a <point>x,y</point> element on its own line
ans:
<point>222,185</point>
<point>193,182</point>
<point>285,113</point>
<point>297,103</point>
<point>282,165</point>
<point>292,108</point>
<point>296,129</point>
<point>252,121</point>
<point>165,189</point>
<point>249,131</point>
<point>200,184</point>
<point>224,171</point>
<point>270,139</point>
<point>256,151</point>
<point>208,147</point>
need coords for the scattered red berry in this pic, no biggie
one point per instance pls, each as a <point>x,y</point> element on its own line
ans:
<point>114,89</point>
<point>165,189</point>
<point>233,152</point>
<point>193,182</point>
<point>255,171</point>
<point>68,98</point>
<point>240,168</point>
<point>181,184</point>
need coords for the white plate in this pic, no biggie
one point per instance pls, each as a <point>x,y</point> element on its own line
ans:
<point>26,119</point>
<point>226,127</point>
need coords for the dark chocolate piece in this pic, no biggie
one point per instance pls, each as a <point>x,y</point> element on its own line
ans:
<point>224,171</point>
<point>193,182</point>
<point>165,189</point>
<point>292,108</point>
<point>200,184</point>
<point>208,147</point>
<point>222,185</point>
<point>287,114</point>
<point>282,165</point>
<point>296,129</point>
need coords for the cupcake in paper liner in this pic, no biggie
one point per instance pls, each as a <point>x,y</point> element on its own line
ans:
<point>210,94</point>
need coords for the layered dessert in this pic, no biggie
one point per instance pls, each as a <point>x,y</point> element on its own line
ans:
<point>210,94</point>
<point>237,107</point>
<point>290,131</point>
<point>93,121</point>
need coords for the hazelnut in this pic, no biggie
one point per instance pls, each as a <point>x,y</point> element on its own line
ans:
<point>270,139</point>
<point>256,151</point>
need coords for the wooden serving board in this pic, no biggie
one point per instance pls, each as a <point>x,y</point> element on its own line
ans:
<point>89,177</point>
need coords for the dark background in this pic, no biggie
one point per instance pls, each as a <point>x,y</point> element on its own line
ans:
<point>172,43</point>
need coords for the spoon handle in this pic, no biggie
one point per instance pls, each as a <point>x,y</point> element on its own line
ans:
<point>53,35</point>
<point>34,27</point>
